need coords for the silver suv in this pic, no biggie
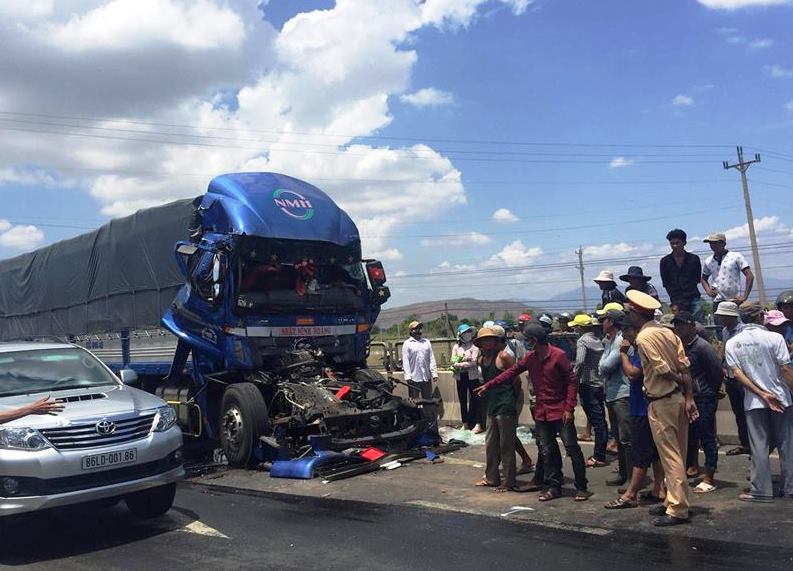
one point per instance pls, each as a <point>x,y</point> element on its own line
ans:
<point>110,441</point>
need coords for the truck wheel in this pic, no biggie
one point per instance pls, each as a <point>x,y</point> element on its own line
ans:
<point>244,419</point>
<point>151,503</point>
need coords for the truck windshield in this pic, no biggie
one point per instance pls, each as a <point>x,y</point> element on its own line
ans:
<point>42,370</point>
<point>283,288</point>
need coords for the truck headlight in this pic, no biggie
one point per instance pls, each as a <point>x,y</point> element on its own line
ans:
<point>22,439</point>
<point>166,418</point>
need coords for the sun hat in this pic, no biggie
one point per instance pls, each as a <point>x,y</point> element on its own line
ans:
<point>499,330</point>
<point>775,317</point>
<point>728,308</point>
<point>489,323</point>
<point>616,316</point>
<point>605,276</point>
<point>524,317</point>
<point>612,305</point>
<point>635,272</point>
<point>716,237</point>
<point>582,320</point>
<point>484,333</point>
<point>750,309</point>
<point>415,325</point>
<point>642,302</point>
<point>463,327</point>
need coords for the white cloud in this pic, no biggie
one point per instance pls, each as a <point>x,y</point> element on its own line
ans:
<point>737,4</point>
<point>460,13</point>
<point>682,100</point>
<point>21,237</point>
<point>613,250</point>
<point>761,43</point>
<point>778,72</point>
<point>470,239</point>
<point>514,254</point>
<point>789,105</point>
<point>620,162</point>
<point>293,101</point>
<point>765,225</point>
<point>427,97</point>
<point>124,24</point>
<point>504,216</point>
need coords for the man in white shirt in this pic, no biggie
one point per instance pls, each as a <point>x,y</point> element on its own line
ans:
<point>418,363</point>
<point>759,359</point>
<point>721,274</point>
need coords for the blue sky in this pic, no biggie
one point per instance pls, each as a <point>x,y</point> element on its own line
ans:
<point>599,124</point>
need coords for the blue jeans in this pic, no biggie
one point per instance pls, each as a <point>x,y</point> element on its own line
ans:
<point>546,431</point>
<point>703,432</point>
<point>592,401</point>
<point>693,306</point>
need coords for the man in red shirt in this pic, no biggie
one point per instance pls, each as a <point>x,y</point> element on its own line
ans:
<point>555,390</point>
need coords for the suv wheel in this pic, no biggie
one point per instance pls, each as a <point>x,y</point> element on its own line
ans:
<point>152,502</point>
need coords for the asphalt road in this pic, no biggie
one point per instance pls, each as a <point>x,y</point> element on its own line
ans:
<point>214,529</point>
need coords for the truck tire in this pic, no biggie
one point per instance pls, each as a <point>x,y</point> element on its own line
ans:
<point>243,420</point>
<point>153,502</point>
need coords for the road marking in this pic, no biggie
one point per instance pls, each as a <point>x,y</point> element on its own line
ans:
<point>200,528</point>
<point>197,527</point>
<point>514,509</point>
<point>517,509</point>
<point>571,527</point>
<point>444,507</point>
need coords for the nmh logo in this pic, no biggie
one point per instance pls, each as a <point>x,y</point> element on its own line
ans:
<point>293,204</point>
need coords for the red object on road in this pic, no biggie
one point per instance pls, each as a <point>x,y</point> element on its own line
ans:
<point>372,454</point>
<point>343,392</point>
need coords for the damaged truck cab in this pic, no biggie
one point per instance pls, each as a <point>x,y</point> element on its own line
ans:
<point>273,326</point>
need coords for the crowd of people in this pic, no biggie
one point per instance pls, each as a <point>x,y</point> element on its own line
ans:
<point>649,383</point>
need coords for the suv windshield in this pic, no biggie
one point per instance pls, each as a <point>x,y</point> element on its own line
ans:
<point>42,370</point>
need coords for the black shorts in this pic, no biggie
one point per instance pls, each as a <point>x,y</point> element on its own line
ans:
<point>643,449</point>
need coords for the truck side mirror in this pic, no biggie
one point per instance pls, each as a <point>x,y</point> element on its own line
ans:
<point>128,376</point>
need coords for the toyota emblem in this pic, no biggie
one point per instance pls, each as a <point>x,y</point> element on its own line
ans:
<point>105,427</point>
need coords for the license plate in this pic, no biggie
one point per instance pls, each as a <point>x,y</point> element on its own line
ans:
<point>100,461</point>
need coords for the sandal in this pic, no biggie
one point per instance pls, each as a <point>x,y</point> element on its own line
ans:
<point>549,495</point>
<point>704,488</point>
<point>593,462</point>
<point>621,504</point>
<point>582,495</point>
<point>501,489</point>
<point>737,451</point>
<point>525,469</point>
<point>584,438</point>
<point>483,483</point>
<point>693,473</point>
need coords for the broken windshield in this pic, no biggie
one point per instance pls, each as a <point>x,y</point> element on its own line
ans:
<point>305,286</point>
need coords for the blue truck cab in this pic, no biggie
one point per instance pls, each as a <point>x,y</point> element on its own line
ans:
<point>274,321</point>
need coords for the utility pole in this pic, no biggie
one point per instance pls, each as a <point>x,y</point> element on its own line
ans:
<point>742,166</point>
<point>448,323</point>
<point>580,267</point>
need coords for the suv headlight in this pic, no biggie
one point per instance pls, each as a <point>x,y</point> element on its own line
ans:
<point>166,418</point>
<point>22,439</point>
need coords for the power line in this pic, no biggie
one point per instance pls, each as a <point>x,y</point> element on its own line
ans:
<point>375,137</point>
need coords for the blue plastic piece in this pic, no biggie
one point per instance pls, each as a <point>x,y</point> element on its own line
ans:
<point>431,455</point>
<point>303,468</point>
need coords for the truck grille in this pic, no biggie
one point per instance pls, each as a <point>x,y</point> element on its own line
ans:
<point>86,435</point>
